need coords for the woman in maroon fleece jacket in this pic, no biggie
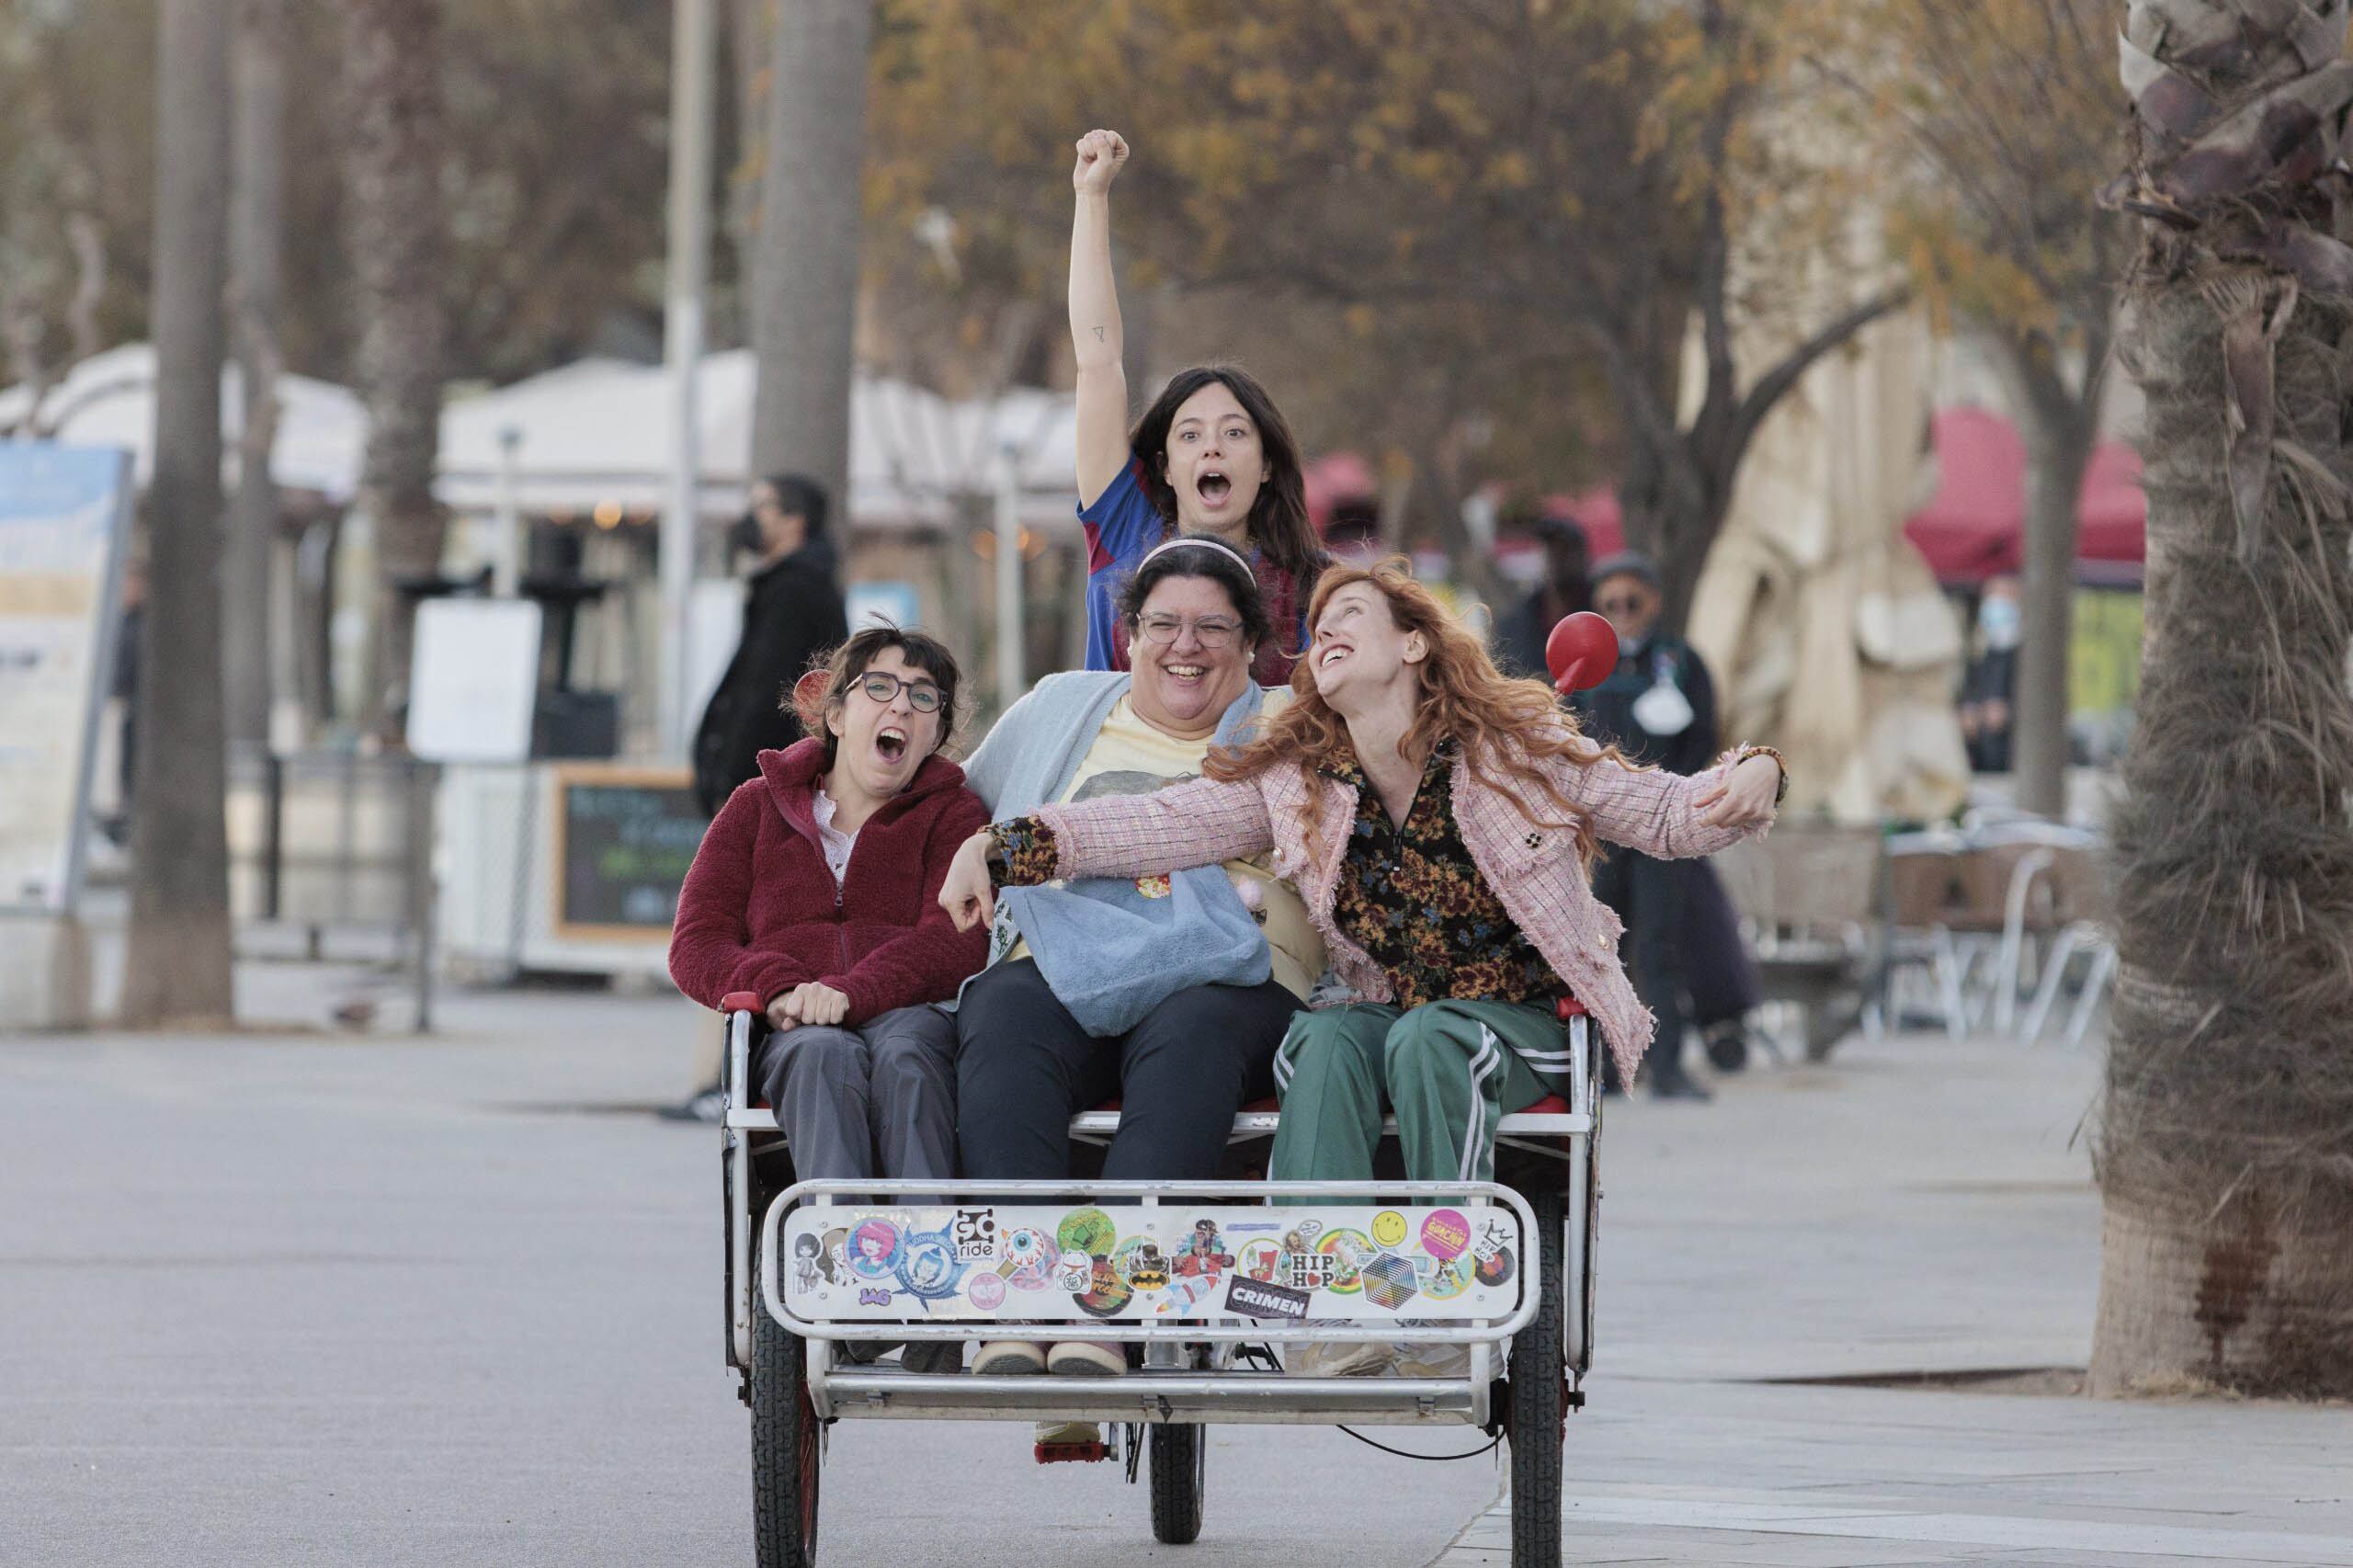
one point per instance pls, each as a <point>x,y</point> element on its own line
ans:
<point>817,887</point>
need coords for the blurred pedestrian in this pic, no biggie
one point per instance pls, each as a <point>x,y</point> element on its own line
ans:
<point>792,616</point>
<point>1564,591</point>
<point>1657,707</point>
<point>1988,691</point>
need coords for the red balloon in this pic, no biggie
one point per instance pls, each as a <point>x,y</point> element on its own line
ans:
<point>1581,652</point>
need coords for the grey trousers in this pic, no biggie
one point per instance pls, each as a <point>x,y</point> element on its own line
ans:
<point>878,1099</point>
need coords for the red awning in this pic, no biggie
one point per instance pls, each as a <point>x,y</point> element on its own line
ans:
<point>1975,525</point>
<point>1972,528</point>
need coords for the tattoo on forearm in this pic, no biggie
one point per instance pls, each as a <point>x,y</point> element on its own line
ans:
<point>1099,334</point>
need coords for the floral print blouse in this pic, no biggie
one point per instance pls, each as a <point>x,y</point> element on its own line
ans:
<point>1413,899</point>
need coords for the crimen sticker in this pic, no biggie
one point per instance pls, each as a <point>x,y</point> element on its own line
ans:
<point>1265,1299</point>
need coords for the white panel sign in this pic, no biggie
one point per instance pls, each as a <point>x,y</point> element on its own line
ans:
<point>474,680</point>
<point>62,523</point>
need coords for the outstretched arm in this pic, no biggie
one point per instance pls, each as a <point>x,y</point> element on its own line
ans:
<point>1201,823</point>
<point>1095,332</point>
<point>1672,817</point>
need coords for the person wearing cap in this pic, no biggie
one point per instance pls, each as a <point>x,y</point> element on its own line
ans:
<point>1565,589</point>
<point>1658,707</point>
<point>1170,993</point>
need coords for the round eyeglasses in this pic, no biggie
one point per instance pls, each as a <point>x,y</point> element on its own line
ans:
<point>1211,631</point>
<point>882,686</point>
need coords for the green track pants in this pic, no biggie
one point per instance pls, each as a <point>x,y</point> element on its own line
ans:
<point>1450,1070</point>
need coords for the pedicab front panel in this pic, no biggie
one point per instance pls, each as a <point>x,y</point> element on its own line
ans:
<point>1125,1263</point>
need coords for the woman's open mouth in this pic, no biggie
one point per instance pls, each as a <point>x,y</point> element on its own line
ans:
<point>891,743</point>
<point>1186,675</point>
<point>1213,487</point>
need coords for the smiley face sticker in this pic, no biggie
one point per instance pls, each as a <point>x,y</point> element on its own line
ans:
<point>1388,1227</point>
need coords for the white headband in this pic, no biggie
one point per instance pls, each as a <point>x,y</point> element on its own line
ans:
<point>1204,543</point>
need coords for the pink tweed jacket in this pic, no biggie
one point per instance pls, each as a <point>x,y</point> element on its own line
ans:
<point>1531,866</point>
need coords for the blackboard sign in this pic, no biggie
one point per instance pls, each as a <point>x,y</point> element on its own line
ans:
<point>624,839</point>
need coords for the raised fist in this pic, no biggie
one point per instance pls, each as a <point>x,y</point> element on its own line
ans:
<point>1100,153</point>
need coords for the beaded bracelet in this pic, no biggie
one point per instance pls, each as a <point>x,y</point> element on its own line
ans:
<point>1782,790</point>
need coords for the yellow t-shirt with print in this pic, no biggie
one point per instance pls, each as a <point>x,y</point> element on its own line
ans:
<point>1130,757</point>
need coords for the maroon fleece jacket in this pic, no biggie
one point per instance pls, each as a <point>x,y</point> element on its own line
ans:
<point>760,911</point>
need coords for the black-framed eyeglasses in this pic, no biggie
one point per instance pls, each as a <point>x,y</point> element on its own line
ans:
<point>1211,631</point>
<point>882,686</point>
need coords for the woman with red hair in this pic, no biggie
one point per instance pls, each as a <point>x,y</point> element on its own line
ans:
<point>1441,820</point>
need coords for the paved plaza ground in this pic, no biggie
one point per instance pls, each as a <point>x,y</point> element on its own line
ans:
<point>316,1297</point>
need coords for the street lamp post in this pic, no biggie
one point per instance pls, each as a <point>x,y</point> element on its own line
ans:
<point>693,51</point>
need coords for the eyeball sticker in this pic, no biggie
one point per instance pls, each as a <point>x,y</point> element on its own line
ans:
<point>1029,1259</point>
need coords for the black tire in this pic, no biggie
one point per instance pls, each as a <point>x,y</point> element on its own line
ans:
<point>785,1442</point>
<point>1539,1394</point>
<point>1179,1478</point>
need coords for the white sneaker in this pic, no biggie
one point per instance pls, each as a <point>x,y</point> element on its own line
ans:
<point>1009,1358</point>
<point>1087,1359</point>
<point>1338,1359</point>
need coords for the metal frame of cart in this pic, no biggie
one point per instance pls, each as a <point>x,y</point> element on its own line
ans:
<point>1526,1370</point>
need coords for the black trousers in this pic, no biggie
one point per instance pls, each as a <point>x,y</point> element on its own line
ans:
<point>1717,967</point>
<point>1648,896</point>
<point>1024,1067</point>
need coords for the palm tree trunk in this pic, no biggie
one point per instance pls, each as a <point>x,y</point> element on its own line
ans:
<point>806,272</point>
<point>2226,1146</point>
<point>2060,425</point>
<point>178,965</point>
<point>392,59</point>
<point>256,201</point>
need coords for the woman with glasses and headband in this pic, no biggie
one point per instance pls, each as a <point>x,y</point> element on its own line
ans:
<point>816,887</point>
<point>1169,992</point>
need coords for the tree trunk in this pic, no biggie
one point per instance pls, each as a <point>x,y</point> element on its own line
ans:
<point>391,54</point>
<point>2225,1147</point>
<point>806,272</point>
<point>2058,427</point>
<point>179,960</point>
<point>257,187</point>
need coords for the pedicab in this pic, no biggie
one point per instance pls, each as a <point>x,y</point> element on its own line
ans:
<point>1206,1282</point>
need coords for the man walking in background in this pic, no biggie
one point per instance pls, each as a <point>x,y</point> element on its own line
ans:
<point>792,615</point>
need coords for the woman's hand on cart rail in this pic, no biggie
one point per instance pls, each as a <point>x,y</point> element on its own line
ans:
<point>969,894</point>
<point>1746,796</point>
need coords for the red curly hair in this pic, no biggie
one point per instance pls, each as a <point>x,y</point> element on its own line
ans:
<point>1505,727</point>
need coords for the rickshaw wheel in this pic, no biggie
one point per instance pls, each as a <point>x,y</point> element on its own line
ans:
<point>785,1442</point>
<point>1179,1481</point>
<point>1537,1390</point>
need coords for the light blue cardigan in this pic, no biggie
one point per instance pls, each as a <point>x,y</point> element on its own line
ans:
<point>1109,954</point>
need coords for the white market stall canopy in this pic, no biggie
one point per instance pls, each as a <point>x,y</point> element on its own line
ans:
<point>108,400</point>
<point>594,434</point>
